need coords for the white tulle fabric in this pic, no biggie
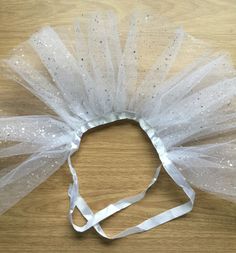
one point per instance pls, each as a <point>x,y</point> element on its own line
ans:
<point>180,91</point>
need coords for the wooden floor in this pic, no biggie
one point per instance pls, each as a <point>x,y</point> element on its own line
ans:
<point>108,172</point>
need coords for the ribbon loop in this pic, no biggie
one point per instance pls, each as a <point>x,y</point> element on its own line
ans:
<point>93,219</point>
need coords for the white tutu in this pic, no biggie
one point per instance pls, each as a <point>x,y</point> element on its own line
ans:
<point>95,72</point>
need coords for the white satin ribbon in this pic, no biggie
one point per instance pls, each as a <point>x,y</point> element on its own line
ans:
<point>93,219</point>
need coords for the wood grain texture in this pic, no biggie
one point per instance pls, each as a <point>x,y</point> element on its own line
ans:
<point>117,160</point>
